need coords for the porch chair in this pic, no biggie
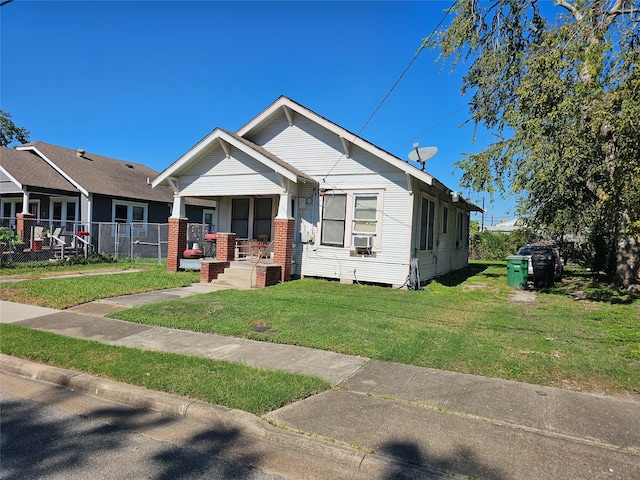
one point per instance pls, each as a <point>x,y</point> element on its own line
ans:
<point>261,245</point>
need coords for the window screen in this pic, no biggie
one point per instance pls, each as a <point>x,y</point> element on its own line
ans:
<point>364,214</point>
<point>333,219</point>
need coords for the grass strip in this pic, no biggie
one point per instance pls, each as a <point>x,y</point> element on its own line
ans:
<point>65,292</point>
<point>213,381</point>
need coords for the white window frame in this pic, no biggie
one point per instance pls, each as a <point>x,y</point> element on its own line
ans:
<point>350,220</point>
<point>322,232</point>
<point>138,230</point>
<point>214,216</point>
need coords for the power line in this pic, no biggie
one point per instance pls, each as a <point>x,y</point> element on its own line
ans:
<point>415,57</point>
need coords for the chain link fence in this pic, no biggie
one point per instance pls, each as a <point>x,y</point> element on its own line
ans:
<point>45,240</point>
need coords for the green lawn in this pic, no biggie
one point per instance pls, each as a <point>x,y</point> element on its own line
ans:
<point>578,334</point>
<point>467,323</point>
<point>218,382</point>
<point>64,291</point>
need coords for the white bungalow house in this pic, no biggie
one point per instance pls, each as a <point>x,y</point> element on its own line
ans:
<point>331,204</point>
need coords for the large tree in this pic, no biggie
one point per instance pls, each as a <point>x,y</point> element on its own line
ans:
<point>9,132</point>
<point>559,88</point>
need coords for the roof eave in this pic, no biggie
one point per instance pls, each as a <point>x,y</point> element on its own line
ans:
<point>206,142</point>
<point>12,178</point>
<point>35,149</point>
<point>285,102</point>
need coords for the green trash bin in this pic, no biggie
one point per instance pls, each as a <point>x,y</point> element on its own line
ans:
<point>517,270</point>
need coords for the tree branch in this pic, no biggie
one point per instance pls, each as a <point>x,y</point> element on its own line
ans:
<point>569,7</point>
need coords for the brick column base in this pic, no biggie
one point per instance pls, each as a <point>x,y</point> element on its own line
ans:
<point>283,245</point>
<point>226,247</point>
<point>177,243</point>
<point>267,275</point>
<point>210,269</point>
<point>24,222</point>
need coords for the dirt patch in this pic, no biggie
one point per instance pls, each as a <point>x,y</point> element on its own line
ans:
<point>479,286</point>
<point>523,297</point>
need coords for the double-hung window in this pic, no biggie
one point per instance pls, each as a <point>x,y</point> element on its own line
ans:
<point>427,223</point>
<point>334,216</point>
<point>365,213</point>
<point>351,219</point>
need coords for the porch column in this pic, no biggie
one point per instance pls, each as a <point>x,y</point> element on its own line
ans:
<point>25,202</point>
<point>225,247</point>
<point>177,242</point>
<point>178,210</point>
<point>283,245</point>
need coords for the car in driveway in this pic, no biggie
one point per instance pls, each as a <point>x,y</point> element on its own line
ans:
<point>530,250</point>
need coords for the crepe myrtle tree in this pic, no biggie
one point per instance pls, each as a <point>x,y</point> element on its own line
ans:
<point>558,87</point>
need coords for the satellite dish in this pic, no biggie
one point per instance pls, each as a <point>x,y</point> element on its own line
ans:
<point>421,155</point>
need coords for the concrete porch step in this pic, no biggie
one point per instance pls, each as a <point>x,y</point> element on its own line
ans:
<point>241,276</point>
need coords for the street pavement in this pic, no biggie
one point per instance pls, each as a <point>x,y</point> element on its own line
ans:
<point>380,421</point>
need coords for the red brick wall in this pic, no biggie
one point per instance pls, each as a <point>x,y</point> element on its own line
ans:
<point>226,247</point>
<point>177,243</point>
<point>267,275</point>
<point>24,222</point>
<point>283,245</point>
<point>210,269</point>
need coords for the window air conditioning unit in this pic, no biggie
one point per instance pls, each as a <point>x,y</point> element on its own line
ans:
<point>362,241</point>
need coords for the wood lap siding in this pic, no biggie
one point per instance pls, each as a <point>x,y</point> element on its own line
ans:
<point>317,152</point>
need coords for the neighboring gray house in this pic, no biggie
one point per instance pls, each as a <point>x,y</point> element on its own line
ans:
<point>75,189</point>
<point>334,205</point>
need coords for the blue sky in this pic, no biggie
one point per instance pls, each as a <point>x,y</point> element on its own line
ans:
<point>144,81</point>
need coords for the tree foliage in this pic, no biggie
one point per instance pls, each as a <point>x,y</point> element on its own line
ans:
<point>9,133</point>
<point>560,91</point>
<point>487,245</point>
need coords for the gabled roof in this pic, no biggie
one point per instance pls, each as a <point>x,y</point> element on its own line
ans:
<point>290,107</point>
<point>227,139</point>
<point>28,171</point>
<point>242,140</point>
<point>92,173</point>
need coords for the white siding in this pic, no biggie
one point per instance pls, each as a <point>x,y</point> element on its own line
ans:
<point>215,174</point>
<point>319,154</point>
<point>445,256</point>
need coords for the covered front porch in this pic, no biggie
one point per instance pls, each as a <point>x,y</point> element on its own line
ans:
<point>257,230</point>
<point>255,193</point>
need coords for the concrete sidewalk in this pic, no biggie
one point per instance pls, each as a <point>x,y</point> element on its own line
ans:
<point>414,420</point>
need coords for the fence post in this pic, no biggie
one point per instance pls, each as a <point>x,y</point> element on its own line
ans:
<point>159,246</point>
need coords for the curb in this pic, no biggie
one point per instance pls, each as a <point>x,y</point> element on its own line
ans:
<point>195,411</point>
